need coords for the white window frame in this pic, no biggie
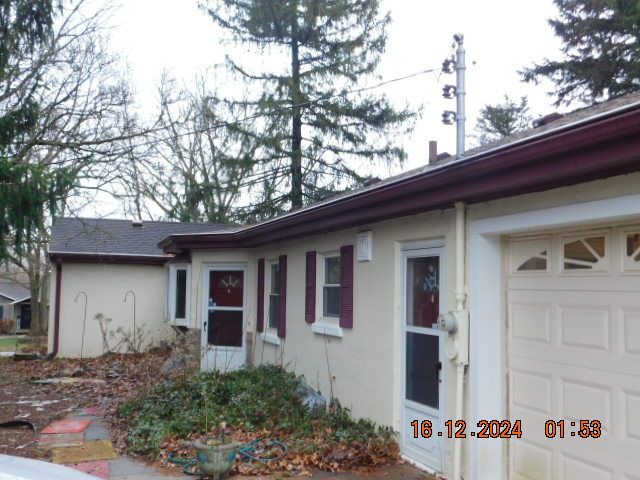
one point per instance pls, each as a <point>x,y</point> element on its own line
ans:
<point>173,276</point>
<point>570,237</point>
<point>628,264</point>
<point>325,325</point>
<point>270,334</point>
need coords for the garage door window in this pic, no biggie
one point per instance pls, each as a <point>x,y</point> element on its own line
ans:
<point>530,255</point>
<point>632,257</point>
<point>586,253</point>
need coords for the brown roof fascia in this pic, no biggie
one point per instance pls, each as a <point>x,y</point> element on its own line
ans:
<point>600,149</point>
<point>110,258</point>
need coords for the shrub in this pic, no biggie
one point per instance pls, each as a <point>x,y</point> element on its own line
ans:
<point>7,326</point>
<point>250,399</point>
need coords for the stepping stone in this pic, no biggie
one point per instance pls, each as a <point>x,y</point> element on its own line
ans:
<point>61,439</point>
<point>67,426</point>
<point>97,469</point>
<point>89,452</point>
<point>92,411</point>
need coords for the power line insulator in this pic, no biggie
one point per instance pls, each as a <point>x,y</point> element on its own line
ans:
<point>449,65</point>
<point>449,117</point>
<point>449,91</point>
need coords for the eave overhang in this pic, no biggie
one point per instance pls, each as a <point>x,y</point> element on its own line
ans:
<point>591,149</point>
<point>113,258</point>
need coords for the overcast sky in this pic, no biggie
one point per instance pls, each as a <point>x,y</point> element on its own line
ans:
<point>501,37</point>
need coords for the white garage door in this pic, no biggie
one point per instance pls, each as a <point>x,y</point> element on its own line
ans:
<point>573,354</point>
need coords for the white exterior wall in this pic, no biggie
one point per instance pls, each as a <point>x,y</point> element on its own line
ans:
<point>105,286</point>
<point>366,361</point>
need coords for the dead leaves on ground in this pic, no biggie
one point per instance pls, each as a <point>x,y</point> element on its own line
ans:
<point>125,375</point>
<point>304,454</point>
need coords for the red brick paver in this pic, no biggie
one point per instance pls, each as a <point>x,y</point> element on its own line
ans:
<point>67,426</point>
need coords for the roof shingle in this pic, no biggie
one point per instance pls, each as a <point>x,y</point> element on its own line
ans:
<point>120,237</point>
<point>14,291</point>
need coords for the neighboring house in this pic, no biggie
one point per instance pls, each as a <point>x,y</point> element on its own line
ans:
<point>502,286</point>
<point>15,304</point>
<point>110,267</point>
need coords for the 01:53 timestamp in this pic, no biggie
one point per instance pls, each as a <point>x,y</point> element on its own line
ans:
<point>457,429</point>
<point>586,428</point>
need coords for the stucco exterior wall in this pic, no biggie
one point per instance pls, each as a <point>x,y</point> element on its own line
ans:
<point>105,286</point>
<point>365,364</point>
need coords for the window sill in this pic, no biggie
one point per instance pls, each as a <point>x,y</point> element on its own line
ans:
<point>328,329</point>
<point>272,338</point>
<point>180,323</point>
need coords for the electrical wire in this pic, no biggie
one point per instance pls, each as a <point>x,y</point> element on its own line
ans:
<point>254,116</point>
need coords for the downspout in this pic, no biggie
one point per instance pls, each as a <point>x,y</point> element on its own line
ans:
<point>56,318</point>
<point>461,315</point>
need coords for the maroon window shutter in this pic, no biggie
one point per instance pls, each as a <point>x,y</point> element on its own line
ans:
<point>260,309</point>
<point>282,323</point>
<point>310,289</point>
<point>346,286</point>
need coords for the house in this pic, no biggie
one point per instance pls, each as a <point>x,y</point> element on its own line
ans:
<point>15,304</point>
<point>108,283</point>
<point>501,290</point>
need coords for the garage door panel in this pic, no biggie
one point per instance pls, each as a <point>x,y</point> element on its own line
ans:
<point>573,353</point>
<point>541,390</point>
<point>577,328</point>
<point>631,331</point>
<point>530,461</point>
<point>574,468</point>
<point>530,322</point>
<point>586,327</point>
<point>577,357</point>
<point>592,283</point>
<point>592,462</point>
<point>630,413</point>
<point>531,391</point>
<point>584,400</point>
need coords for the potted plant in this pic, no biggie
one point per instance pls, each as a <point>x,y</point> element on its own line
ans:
<point>215,455</point>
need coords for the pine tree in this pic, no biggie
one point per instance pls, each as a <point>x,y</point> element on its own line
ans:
<point>601,47</point>
<point>501,120</point>
<point>25,190</point>
<point>313,134</point>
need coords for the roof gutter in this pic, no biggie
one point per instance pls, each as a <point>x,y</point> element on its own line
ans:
<point>596,147</point>
<point>115,258</point>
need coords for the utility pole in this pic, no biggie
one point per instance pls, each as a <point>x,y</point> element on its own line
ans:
<point>456,64</point>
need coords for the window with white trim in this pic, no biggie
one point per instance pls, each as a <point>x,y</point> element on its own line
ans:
<point>179,294</point>
<point>587,252</point>
<point>331,286</point>
<point>631,248</point>
<point>274,295</point>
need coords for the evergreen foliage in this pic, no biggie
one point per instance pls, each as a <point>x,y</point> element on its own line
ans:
<point>25,189</point>
<point>312,134</point>
<point>601,47</point>
<point>504,119</point>
<point>256,399</point>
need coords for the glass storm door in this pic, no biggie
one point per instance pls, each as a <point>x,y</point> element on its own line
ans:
<point>423,347</point>
<point>224,320</point>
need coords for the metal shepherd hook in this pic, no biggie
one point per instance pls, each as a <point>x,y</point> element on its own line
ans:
<point>84,321</point>
<point>135,346</point>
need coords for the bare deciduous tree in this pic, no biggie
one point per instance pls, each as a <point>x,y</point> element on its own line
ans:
<point>81,127</point>
<point>196,165</point>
